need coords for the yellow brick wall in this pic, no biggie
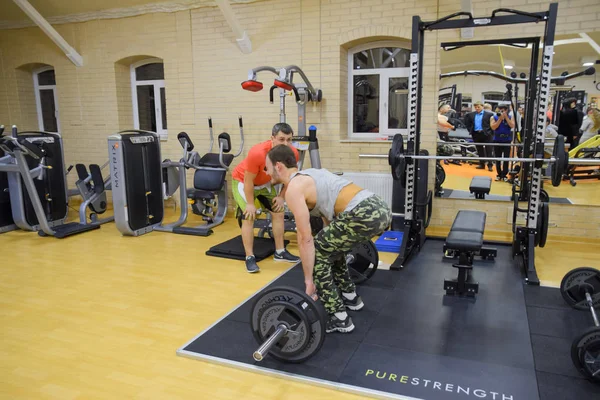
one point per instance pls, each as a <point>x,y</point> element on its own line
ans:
<point>204,69</point>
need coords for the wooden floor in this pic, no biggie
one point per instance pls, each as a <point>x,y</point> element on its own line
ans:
<point>100,316</point>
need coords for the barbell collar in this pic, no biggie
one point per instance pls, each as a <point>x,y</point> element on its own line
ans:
<point>259,354</point>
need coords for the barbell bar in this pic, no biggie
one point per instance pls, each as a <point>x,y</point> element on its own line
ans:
<point>469,144</point>
<point>572,161</point>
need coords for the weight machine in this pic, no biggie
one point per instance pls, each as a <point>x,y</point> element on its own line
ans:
<point>538,91</point>
<point>36,183</point>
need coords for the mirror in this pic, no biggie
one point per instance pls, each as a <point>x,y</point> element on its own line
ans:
<point>492,79</point>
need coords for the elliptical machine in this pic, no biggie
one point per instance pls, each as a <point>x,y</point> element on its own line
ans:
<point>42,204</point>
<point>208,197</point>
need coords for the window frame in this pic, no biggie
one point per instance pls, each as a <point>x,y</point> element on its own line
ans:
<point>38,99</point>
<point>385,74</point>
<point>157,85</point>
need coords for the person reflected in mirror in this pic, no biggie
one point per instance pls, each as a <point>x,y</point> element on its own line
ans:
<point>503,123</point>
<point>443,126</point>
<point>590,126</point>
<point>570,121</point>
<point>478,124</point>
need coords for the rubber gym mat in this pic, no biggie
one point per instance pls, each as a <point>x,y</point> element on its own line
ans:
<point>234,248</point>
<point>412,340</point>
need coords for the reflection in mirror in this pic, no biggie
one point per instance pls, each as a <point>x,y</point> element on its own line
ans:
<point>482,113</point>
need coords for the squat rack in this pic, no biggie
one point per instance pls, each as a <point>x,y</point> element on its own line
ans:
<point>538,90</point>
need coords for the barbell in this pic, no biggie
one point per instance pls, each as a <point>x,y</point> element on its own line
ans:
<point>289,325</point>
<point>580,288</point>
<point>398,160</point>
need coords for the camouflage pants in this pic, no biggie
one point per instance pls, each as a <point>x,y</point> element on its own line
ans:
<point>369,218</point>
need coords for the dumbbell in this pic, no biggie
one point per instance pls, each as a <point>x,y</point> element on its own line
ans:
<point>581,290</point>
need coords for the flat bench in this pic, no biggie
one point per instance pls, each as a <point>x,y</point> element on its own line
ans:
<point>466,240</point>
<point>480,186</point>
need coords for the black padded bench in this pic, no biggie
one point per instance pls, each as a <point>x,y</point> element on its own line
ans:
<point>480,186</point>
<point>466,240</point>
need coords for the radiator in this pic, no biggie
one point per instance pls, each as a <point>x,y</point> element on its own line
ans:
<point>380,184</point>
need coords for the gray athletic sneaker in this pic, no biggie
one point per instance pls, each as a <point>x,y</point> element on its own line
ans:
<point>251,265</point>
<point>286,256</point>
<point>334,324</point>
<point>355,304</point>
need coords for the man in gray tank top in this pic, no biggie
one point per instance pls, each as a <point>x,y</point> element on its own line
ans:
<point>350,214</point>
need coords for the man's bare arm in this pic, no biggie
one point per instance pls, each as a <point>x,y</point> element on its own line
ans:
<point>296,202</point>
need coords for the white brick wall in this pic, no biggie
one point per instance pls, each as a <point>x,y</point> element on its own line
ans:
<point>204,69</point>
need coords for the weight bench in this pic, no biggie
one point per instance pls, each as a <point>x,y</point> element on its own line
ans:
<point>466,239</point>
<point>480,186</point>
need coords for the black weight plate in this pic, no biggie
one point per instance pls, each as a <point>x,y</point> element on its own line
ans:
<point>544,215</point>
<point>544,196</point>
<point>558,167</point>
<point>314,312</point>
<point>366,261</point>
<point>296,320</point>
<point>585,353</point>
<point>570,287</point>
<point>395,157</point>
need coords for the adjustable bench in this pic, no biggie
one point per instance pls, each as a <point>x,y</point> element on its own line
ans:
<point>480,185</point>
<point>466,239</point>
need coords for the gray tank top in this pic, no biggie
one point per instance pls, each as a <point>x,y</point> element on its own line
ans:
<point>329,186</point>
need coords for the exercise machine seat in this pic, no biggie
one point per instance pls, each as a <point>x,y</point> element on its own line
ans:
<point>469,221</point>
<point>464,241</point>
<point>211,160</point>
<point>198,194</point>
<point>480,185</point>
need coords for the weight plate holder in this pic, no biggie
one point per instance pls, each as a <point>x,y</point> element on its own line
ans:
<point>362,261</point>
<point>305,321</point>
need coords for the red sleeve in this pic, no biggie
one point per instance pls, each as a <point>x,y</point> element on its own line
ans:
<point>297,153</point>
<point>255,159</point>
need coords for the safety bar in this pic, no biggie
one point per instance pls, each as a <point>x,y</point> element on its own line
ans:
<point>512,11</point>
<point>447,17</point>
<point>554,79</point>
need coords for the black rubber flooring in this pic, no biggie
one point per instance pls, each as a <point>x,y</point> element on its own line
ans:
<point>511,342</point>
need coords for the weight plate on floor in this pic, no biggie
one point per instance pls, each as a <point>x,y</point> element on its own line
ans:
<point>305,317</point>
<point>366,260</point>
<point>573,283</point>
<point>585,353</point>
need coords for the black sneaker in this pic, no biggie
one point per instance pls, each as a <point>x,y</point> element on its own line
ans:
<point>334,324</point>
<point>251,265</point>
<point>355,304</point>
<point>286,256</point>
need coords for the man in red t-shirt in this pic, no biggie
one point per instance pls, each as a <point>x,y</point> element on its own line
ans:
<point>251,181</point>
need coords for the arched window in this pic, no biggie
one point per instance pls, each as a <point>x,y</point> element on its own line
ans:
<point>377,90</point>
<point>149,96</point>
<point>44,83</point>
